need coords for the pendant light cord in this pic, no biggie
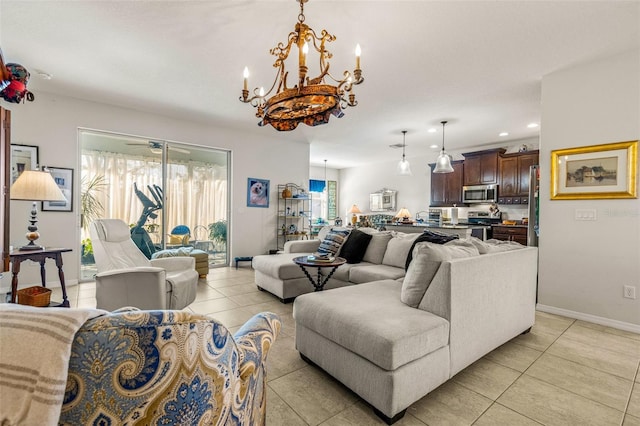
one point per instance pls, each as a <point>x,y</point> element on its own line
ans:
<point>443,123</point>
<point>404,135</point>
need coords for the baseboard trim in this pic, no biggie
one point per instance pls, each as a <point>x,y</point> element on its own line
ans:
<point>620,325</point>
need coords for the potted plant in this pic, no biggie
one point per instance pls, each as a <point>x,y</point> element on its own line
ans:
<point>218,233</point>
<point>90,209</point>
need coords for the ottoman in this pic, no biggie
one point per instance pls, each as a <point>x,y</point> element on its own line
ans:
<point>201,257</point>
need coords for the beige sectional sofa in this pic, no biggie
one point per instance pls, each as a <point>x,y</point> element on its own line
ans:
<point>393,341</point>
<point>384,258</point>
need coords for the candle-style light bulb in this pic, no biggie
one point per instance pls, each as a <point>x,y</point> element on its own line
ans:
<point>305,49</point>
<point>245,74</point>
<point>262,92</point>
<point>358,53</point>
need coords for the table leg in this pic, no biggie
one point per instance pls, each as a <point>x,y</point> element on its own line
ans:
<point>326,279</point>
<point>43,273</point>
<point>15,269</point>
<point>65,300</point>
<point>309,277</point>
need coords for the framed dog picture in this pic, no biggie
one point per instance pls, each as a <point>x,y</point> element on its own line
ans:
<point>257,192</point>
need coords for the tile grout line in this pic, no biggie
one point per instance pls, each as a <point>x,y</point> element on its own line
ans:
<point>633,385</point>
<point>569,391</point>
<point>522,374</point>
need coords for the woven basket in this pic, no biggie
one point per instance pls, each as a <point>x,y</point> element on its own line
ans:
<point>34,296</point>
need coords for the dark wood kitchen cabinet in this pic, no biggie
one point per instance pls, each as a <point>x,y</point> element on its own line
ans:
<point>513,181</point>
<point>481,167</point>
<point>510,233</point>
<point>446,188</point>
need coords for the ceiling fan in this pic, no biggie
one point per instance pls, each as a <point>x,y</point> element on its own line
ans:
<point>156,147</point>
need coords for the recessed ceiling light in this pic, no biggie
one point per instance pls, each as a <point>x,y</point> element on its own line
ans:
<point>434,146</point>
<point>432,130</point>
<point>504,134</point>
<point>532,125</point>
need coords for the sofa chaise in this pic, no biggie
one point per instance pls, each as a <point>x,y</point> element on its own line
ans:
<point>394,341</point>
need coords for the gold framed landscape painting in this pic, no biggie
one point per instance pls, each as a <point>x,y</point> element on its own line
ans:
<point>592,172</point>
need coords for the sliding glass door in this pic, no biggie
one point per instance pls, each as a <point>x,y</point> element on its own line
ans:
<point>171,194</point>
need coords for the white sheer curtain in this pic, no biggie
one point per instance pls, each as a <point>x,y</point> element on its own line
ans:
<point>196,192</point>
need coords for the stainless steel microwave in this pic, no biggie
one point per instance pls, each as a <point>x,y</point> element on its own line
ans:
<point>480,194</point>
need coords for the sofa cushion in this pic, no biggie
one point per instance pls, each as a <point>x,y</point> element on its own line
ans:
<point>397,249</point>
<point>355,247</point>
<point>377,247</point>
<point>431,237</point>
<point>350,316</point>
<point>279,266</point>
<point>494,246</point>
<point>333,241</point>
<point>343,271</point>
<point>365,273</point>
<point>427,258</point>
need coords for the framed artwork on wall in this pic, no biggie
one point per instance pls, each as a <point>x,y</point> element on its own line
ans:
<point>64,179</point>
<point>332,199</point>
<point>257,192</point>
<point>23,157</point>
<point>592,172</point>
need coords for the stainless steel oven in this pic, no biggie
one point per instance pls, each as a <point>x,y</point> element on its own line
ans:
<point>482,221</point>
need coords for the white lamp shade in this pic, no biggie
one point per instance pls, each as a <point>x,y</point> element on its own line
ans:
<point>404,213</point>
<point>354,209</point>
<point>443,163</point>
<point>404,168</point>
<point>35,185</point>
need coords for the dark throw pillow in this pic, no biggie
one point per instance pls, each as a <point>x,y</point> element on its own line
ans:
<point>355,247</point>
<point>431,237</point>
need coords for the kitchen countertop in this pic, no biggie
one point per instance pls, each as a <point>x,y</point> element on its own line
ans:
<point>429,225</point>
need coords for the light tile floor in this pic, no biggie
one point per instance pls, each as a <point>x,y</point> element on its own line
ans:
<point>565,372</point>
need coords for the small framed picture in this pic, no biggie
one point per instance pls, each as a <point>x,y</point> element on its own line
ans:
<point>64,179</point>
<point>595,172</point>
<point>257,192</point>
<point>23,157</point>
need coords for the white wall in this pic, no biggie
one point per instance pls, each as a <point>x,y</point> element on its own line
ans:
<point>51,122</point>
<point>584,265</point>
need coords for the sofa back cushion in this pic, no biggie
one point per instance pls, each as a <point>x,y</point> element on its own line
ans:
<point>355,247</point>
<point>432,237</point>
<point>377,247</point>
<point>427,258</point>
<point>494,246</point>
<point>398,249</point>
<point>333,241</point>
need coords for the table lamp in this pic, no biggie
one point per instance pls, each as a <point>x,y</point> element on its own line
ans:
<point>354,210</point>
<point>35,185</point>
<point>404,215</point>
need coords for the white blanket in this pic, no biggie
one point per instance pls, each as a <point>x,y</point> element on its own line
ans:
<point>35,345</point>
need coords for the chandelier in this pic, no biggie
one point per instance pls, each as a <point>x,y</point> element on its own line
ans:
<point>312,100</point>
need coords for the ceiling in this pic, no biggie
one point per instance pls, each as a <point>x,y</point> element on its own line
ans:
<point>477,64</point>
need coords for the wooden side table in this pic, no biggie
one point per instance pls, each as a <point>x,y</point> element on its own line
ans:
<point>40,256</point>
<point>319,282</point>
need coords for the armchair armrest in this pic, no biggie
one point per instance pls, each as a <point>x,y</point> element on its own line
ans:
<point>301,246</point>
<point>254,339</point>
<point>177,263</point>
<point>143,287</point>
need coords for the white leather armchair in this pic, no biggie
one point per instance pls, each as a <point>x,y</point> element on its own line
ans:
<point>127,278</point>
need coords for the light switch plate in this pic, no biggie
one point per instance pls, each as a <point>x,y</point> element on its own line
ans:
<point>586,214</point>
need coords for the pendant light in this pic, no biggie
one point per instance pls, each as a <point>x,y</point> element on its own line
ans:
<point>443,163</point>
<point>404,168</point>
